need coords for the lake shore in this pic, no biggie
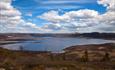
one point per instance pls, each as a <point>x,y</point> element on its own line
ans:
<point>71,60</point>
<point>100,56</point>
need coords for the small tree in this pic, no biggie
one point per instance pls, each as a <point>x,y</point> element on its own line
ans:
<point>85,57</point>
<point>106,57</point>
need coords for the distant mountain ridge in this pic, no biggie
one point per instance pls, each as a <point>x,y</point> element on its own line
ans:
<point>87,35</point>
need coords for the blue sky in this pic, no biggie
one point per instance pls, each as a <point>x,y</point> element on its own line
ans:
<point>30,9</point>
<point>57,16</point>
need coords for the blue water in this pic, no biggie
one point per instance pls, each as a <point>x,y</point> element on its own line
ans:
<point>54,44</point>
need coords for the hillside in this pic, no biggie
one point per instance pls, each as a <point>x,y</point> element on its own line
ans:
<point>26,36</point>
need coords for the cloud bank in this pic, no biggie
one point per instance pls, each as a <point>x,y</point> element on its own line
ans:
<point>11,20</point>
<point>84,20</point>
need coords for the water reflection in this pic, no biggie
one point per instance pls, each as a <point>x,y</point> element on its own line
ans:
<point>54,44</point>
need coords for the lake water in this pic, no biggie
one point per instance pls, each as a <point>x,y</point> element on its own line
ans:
<point>54,44</point>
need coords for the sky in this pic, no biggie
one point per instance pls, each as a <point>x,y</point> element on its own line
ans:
<point>57,16</point>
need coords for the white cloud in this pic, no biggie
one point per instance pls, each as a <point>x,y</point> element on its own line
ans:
<point>53,16</point>
<point>71,20</point>
<point>29,14</point>
<point>60,7</point>
<point>11,19</point>
<point>64,1</point>
<point>110,4</point>
<point>84,20</point>
<point>9,16</point>
<point>109,16</point>
<point>6,1</point>
<point>62,4</point>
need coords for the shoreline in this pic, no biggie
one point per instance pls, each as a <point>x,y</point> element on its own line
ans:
<point>71,60</point>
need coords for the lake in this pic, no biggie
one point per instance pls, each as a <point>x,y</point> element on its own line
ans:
<point>54,44</point>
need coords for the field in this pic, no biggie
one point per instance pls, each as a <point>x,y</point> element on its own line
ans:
<point>45,60</point>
